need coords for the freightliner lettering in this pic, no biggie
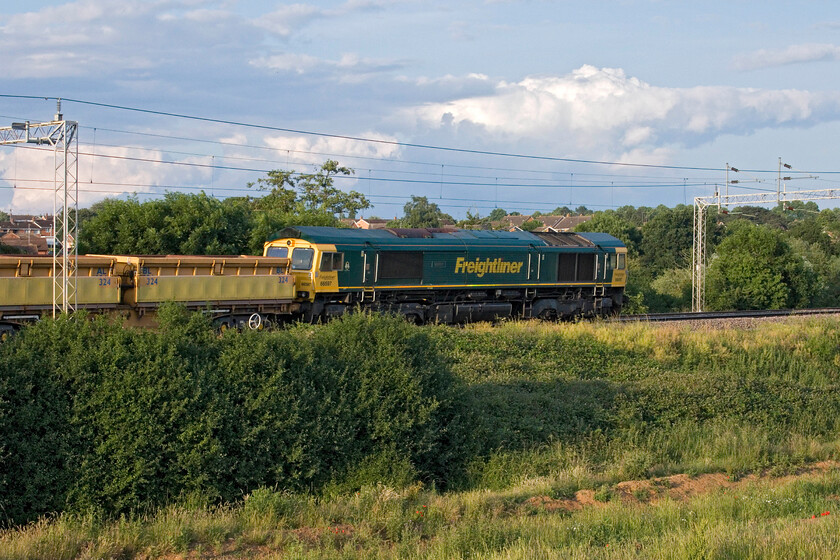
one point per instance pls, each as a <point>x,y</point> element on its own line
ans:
<point>487,266</point>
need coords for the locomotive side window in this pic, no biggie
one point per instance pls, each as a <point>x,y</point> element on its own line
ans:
<point>302,258</point>
<point>332,261</point>
<point>400,264</point>
<point>282,252</point>
<point>586,268</point>
<point>566,267</point>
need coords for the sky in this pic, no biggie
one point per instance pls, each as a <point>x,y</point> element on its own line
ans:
<point>479,104</point>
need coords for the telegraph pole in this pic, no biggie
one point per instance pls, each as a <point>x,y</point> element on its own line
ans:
<point>62,135</point>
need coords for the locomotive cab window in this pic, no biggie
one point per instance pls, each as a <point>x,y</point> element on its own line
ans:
<point>332,261</point>
<point>621,264</point>
<point>302,258</point>
<point>282,252</point>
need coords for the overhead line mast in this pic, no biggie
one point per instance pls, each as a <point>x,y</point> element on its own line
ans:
<point>62,135</point>
<point>702,203</point>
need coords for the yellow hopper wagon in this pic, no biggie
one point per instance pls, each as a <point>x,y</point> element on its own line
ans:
<point>238,291</point>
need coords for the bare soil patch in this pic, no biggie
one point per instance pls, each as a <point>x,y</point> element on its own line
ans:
<point>678,487</point>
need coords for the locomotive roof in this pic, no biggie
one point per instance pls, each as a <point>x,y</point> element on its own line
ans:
<point>447,236</point>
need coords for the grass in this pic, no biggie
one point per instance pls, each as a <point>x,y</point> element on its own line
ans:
<point>762,518</point>
<point>550,411</point>
<point>630,401</point>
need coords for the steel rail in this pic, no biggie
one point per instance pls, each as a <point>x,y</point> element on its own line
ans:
<point>704,315</point>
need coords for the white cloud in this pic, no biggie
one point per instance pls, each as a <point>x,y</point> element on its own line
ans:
<point>349,67</point>
<point>794,54</point>
<point>601,112</point>
<point>107,37</point>
<point>118,40</point>
<point>288,62</point>
<point>314,150</point>
<point>288,18</point>
<point>113,172</point>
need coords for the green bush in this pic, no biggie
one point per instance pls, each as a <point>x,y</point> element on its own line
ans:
<point>97,417</point>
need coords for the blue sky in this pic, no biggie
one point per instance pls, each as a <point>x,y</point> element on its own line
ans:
<point>666,93</point>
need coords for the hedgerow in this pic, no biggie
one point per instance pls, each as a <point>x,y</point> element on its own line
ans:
<point>94,417</point>
<point>98,418</point>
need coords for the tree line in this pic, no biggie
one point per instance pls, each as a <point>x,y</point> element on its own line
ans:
<point>758,258</point>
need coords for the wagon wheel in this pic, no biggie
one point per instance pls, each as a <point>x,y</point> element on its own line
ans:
<point>255,321</point>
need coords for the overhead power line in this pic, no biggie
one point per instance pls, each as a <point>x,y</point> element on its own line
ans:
<point>360,138</point>
<point>486,202</point>
<point>431,181</point>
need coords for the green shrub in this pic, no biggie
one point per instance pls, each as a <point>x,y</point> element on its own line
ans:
<point>97,417</point>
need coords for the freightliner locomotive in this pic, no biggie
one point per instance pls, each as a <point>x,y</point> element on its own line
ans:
<point>315,273</point>
<point>453,276</point>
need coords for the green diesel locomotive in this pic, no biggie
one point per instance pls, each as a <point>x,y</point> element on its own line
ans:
<point>453,276</point>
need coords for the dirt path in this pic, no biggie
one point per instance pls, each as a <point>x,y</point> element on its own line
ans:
<point>679,487</point>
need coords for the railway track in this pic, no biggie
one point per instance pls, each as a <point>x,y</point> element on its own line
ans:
<point>707,315</point>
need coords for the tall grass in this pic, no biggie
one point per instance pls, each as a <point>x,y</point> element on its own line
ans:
<point>762,519</point>
<point>637,400</point>
<point>367,437</point>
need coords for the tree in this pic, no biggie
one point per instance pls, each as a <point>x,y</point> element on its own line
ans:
<point>797,210</point>
<point>530,225</point>
<point>474,221</point>
<point>420,213</point>
<point>186,224</point>
<point>636,216</point>
<point>674,287</point>
<point>755,268</point>
<point>811,231</point>
<point>759,215</point>
<point>200,224</point>
<point>609,221</point>
<point>301,200</point>
<point>3,216</point>
<point>317,192</point>
<point>667,238</point>
<point>826,268</point>
<point>829,219</point>
<point>313,192</point>
<point>497,214</point>
<point>9,250</point>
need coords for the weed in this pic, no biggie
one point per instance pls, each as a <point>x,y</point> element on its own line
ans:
<point>604,493</point>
